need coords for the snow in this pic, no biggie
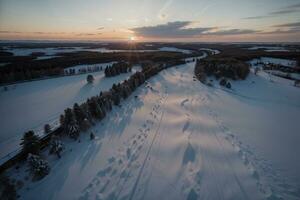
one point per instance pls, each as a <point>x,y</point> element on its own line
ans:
<point>214,51</point>
<point>30,105</point>
<point>268,48</point>
<point>277,61</point>
<point>45,57</point>
<point>180,139</point>
<point>174,49</point>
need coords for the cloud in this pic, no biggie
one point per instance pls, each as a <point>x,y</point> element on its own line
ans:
<point>279,31</point>
<point>285,28</point>
<point>282,11</point>
<point>10,32</point>
<point>171,29</point>
<point>100,28</point>
<point>233,32</point>
<point>35,32</point>
<point>295,24</point>
<point>293,6</point>
<point>180,29</point>
<point>85,34</point>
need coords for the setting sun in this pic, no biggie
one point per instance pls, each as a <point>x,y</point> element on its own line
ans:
<point>132,38</point>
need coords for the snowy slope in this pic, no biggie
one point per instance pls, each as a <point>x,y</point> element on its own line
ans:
<point>182,140</point>
<point>30,105</point>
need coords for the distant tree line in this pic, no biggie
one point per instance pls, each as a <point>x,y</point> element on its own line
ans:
<point>22,68</point>
<point>117,68</point>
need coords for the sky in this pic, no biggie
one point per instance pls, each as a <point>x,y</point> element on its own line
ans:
<point>151,20</point>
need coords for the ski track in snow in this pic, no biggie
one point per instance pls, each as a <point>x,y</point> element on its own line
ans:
<point>121,167</point>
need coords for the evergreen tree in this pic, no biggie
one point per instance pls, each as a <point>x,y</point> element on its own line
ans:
<point>80,115</point>
<point>71,125</point>
<point>47,128</point>
<point>30,143</point>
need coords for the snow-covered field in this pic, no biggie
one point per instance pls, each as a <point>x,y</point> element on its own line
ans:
<point>174,49</point>
<point>269,48</point>
<point>276,61</point>
<point>30,105</point>
<point>180,139</point>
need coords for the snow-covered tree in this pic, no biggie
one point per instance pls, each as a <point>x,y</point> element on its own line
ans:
<point>73,130</point>
<point>39,167</point>
<point>56,147</point>
<point>70,124</point>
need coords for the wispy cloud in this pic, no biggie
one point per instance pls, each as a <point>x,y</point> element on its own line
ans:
<point>282,11</point>
<point>10,32</point>
<point>289,25</point>
<point>233,32</point>
<point>180,29</point>
<point>100,28</point>
<point>286,28</point>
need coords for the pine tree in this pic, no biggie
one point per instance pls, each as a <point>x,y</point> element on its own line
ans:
<point>30,143</point>
<point>80,115</point>
<point>39,167</point>
<point>47,128</point>
<point>71,125</point>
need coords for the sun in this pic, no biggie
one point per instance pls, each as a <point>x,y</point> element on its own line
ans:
<point>132,38</point>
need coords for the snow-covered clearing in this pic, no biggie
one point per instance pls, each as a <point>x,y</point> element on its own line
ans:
<point>174,49</point>
<point>276,61</point>
<point>180,139</point>
<point>268,48</point>
<point>30,105</point>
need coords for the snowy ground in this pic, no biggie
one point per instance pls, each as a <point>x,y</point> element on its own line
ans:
<point>174,49</point>
<point>30,105</point>
<point>276,61</point>
<point>269,48</point>
<point>213,51</point>
<point>183,140</point>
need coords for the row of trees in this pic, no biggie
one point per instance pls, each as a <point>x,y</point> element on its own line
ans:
<point>117,68</point>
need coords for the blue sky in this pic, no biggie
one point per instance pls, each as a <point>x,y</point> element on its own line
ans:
<point>151,20</point>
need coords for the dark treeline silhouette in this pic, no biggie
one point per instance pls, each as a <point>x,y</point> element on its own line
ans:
<point>117,68</point>
<point>24,68</point>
